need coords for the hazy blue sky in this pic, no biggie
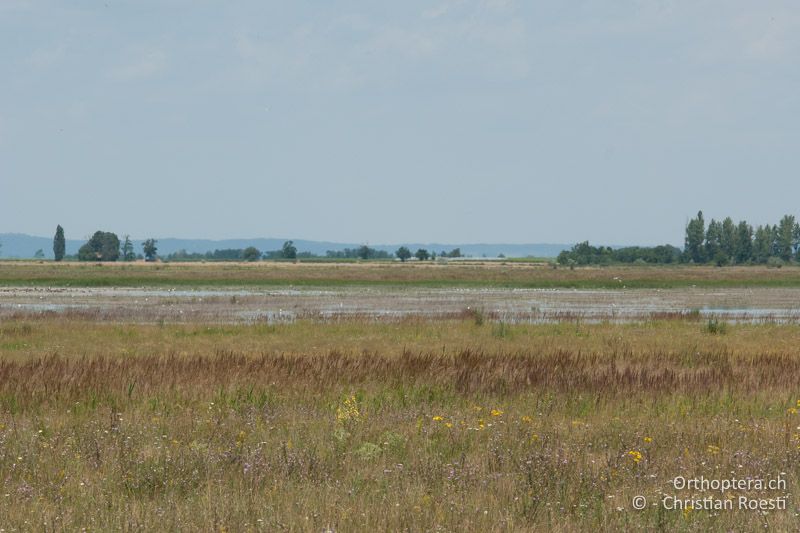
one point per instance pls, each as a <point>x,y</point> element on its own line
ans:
<point>454,121</point>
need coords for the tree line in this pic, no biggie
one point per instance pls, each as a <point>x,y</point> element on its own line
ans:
<point>106,246</point>
<point>725,242</point>
<point>585,254</point>
<point>720,243</point>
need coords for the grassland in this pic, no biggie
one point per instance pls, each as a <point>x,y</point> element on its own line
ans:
<point>418,425</point>
<point>388,274</point>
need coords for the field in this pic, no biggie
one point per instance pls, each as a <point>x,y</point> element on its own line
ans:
<point>511,274</point>
<point>467,419</point>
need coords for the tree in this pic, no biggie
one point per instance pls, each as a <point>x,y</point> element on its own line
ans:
<point>363,252</point>
<point>695,234</point>
<point>128,254</point>
<point>762,244</point>
<point>728,238</point>
<point>797,241</point>
<point>403,254</point>
<point>773,236</point>
<point>59,244</point>
<point>251,254</point>
<point>289,250</point>
<point>714,242</point>
<point>785,243</point>
<point>743,244</point>
<point>39,254</point>
<point>149,248</point>
<point>422,254</point>
<point>102,246</point>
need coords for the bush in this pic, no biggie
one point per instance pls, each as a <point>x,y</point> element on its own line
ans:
<point>775,262</point>
<point>716,327</point>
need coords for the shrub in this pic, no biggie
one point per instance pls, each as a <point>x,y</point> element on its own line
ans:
<point>716,327</point>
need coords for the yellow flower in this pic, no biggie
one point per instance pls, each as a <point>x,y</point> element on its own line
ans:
<point>713,450</point>
<point>348,411</point>
<point>791,411</point>
<point>437,418</point>
<point>648,439</point>
<point>636,456</point>
<point>527,419</point>
<point>496,412</point>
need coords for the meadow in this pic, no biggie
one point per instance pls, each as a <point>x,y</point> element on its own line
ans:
<point>454,422</point>
<point>461,424</point>
<point>511,274</point>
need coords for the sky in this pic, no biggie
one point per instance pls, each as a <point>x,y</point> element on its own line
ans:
<point>384,122</point>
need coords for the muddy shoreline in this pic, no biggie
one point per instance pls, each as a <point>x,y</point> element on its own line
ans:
<point>510,305</point>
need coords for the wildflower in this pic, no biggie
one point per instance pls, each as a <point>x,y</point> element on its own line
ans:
<point>496,412</point>
<point>713,450</point>
<point>348,411</point>
<point>437,418</point>
<point>448,425</point>
<point>636,456</point>
<point>791,411</point>
<point>648,440</point>
<point>527,419</point>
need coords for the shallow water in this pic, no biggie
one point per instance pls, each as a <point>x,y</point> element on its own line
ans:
<point>511,305</point>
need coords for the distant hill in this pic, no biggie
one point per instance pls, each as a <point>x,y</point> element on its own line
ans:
<point>18,245</point>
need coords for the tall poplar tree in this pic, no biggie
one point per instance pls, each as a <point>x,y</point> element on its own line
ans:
<point>728,238</point>
<point>59,244</point>
<point>744,243</point>
<point>128,254</point>
<point>785,243</point>
<point>714,243</point>
<point>695,234</point>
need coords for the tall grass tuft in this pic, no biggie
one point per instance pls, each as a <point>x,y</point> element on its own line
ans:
<point>715,326</point>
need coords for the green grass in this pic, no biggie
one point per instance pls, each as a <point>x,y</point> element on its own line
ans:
<point>391,275</point>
